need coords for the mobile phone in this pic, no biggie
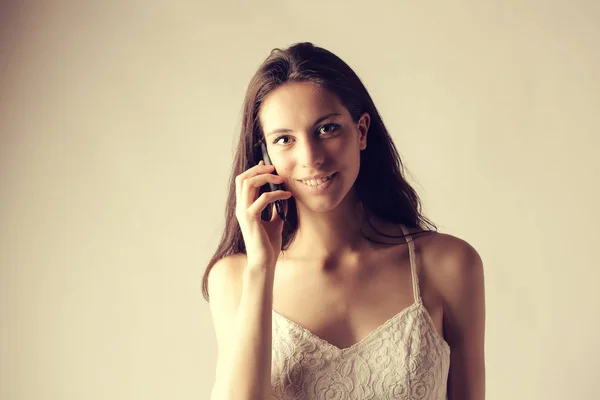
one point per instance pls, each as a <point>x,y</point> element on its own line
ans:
<point>268,211</point>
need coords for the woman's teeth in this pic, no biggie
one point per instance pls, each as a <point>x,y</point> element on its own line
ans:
<point>316,182</point>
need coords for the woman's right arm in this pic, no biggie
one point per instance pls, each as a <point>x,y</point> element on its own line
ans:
<point>241,293</point>
<point>241,304</point>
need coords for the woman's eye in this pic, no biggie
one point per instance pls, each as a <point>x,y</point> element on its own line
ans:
<point>323,130</point>
<point>328,128</point>
<point>276,141</point>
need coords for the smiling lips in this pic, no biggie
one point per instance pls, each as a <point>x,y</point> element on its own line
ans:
<point>318,181</point>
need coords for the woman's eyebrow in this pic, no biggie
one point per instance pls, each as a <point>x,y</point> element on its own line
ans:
<point>318,121</point>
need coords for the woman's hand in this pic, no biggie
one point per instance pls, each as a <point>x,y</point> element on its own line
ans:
<point>262,238</point>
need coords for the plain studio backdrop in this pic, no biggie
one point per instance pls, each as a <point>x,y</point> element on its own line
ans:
<point>118,122</point>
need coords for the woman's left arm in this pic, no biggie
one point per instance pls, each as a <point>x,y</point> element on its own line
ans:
<point>464,320</point>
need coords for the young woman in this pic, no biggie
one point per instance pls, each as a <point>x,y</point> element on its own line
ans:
<point>355,295</point>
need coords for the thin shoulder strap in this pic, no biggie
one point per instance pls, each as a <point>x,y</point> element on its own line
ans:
<point>413,264</point>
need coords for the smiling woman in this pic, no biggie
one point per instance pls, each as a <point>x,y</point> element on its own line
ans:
<point>319,140</point>
<point>372,302</point>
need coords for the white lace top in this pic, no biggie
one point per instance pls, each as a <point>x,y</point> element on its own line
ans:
<point>405,358</point>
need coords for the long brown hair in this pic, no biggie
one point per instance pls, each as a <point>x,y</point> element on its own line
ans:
<point>381,187</point>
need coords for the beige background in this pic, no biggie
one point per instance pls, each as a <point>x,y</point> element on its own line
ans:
<point>118,122</point>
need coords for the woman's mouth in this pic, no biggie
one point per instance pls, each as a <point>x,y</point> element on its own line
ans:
<point>319,183</point>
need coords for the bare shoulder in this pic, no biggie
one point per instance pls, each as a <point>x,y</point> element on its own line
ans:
<point>455,271</point>
<point>225,279</point>
<point>224,288</point>
<point>452,264</point>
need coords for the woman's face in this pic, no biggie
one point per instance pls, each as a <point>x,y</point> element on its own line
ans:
<point>310,134</point>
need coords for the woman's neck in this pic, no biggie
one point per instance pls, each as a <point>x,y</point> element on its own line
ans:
<point>324,236</point>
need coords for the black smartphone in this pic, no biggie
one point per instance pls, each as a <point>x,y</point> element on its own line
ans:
<point>268,211</point>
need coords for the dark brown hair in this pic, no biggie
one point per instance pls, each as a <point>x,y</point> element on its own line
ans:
<point>381,187</point>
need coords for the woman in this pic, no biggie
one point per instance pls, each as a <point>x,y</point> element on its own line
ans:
<point>351,297</point>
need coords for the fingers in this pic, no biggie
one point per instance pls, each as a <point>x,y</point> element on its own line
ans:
<point>248,185</point>
<point>260,168</point>
<point>268,197</point>
<point>260,180</point>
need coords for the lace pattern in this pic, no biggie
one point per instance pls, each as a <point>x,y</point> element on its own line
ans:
<point>404,358</point>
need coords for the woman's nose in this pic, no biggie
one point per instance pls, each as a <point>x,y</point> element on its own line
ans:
<point>311,154</point>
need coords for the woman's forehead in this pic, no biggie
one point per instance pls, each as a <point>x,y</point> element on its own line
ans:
<point>297,104</point>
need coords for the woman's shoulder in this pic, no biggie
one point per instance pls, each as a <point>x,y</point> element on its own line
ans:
<point>225,277</point>
<point>449,262</point>
<point>443,247</point>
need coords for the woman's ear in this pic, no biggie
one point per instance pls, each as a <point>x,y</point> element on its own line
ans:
<point>363,128</point>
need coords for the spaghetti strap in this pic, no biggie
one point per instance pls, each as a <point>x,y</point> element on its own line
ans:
<point>413,264</point>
